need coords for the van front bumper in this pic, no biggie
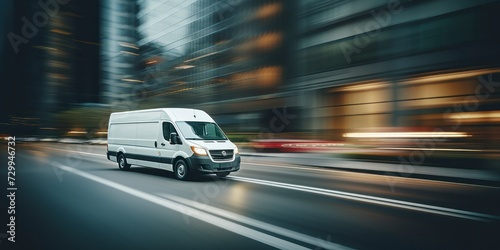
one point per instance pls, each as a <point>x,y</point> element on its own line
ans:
<point>204,165</point>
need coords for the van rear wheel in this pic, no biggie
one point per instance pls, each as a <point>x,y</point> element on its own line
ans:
<point>181,170</point>
<point>122,163</point>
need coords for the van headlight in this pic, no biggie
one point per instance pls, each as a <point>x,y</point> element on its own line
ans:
<point>198,151</point>
<point>236,150</point>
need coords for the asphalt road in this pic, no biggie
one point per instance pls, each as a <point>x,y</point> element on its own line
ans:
<point>70,196</point>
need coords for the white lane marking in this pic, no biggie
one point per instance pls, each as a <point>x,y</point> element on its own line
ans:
<point>78,152</point>
<point>256,223</point>
<point>375,200</point>
<point>189,211</point>
<point>293,167</point>
<point>101,155</point>
<point>312,168</point>
<point>315,169</point>
<point>385,201</point>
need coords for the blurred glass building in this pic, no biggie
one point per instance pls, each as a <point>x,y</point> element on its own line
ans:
<point>229,58</point>
<point>119,51</point>
<point>51,65</point>
<point>380,66</point>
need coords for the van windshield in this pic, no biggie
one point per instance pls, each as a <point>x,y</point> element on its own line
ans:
<point>201,131</point>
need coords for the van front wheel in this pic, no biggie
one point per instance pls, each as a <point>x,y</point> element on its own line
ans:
<point>181,170</point>
<point>122,163</point>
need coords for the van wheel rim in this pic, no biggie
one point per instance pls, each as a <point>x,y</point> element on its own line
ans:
<point>122,162</point>
<point>181,171</point>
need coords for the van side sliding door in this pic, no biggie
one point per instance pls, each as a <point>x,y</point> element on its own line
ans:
<point>146,153</point>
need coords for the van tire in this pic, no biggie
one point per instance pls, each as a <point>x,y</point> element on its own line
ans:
<point>181,170</point>
<point>122,163</point>
<point>222,174</point>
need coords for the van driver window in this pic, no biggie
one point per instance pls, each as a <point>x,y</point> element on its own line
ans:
<point>167,129</point>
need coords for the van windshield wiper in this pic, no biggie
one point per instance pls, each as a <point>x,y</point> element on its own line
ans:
<point>195,139</point>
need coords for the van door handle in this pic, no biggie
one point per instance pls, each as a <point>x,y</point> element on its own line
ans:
<point>163,144</point>
<point>156,144</point>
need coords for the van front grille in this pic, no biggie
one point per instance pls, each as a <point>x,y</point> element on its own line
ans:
<point>222,154</point>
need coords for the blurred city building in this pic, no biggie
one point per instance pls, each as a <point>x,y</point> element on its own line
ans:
<point>230,58</point>
<point>119,51</point>
<point>339,66</point>
<point>52,63</point>
<point>398,66</point>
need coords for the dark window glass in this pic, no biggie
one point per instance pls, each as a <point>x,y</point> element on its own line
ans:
<point>167,129</point>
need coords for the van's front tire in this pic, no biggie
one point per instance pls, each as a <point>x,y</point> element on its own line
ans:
<point>181,170</point>
<point>122,163</point>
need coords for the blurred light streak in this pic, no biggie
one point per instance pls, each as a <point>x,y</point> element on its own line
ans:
<point>199,57</point>
<point>130,53</point>
<point>76,132</point>
<point>269,41</point>
<point>131,80</point>
<point>62,32</point>
<point>451,76</point>
<point>363,86</point>
<point>476,115</point>
<point>407,135</point>
<point>185,67</point>
<point>86,42</point>
<point>436,149</point>
<point>269,10</point>
<point>128,45</point>
<point>44,47</point>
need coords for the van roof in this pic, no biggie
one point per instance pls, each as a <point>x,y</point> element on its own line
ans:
<point>173,114</point>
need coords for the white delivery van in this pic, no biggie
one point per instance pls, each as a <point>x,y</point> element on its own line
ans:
<point>185,141</point>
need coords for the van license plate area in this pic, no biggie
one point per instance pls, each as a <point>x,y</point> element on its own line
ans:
<point>227,165</point>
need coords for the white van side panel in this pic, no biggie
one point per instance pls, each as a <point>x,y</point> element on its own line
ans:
<point>135,133</point>
<point>148,116</point>
<point>122,133</point>
<point>143,152</point>
<point>147,134</point>
<point>123,117</point>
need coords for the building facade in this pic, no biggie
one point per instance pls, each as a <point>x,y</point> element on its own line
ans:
<point>119,53</point>
<point>229,58</point>
<point>389,65</point>
<point>335,66</point>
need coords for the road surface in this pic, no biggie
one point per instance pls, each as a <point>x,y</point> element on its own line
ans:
<point>69,196</point>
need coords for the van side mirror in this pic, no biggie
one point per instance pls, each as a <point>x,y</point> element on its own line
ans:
<point>174,139</point>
